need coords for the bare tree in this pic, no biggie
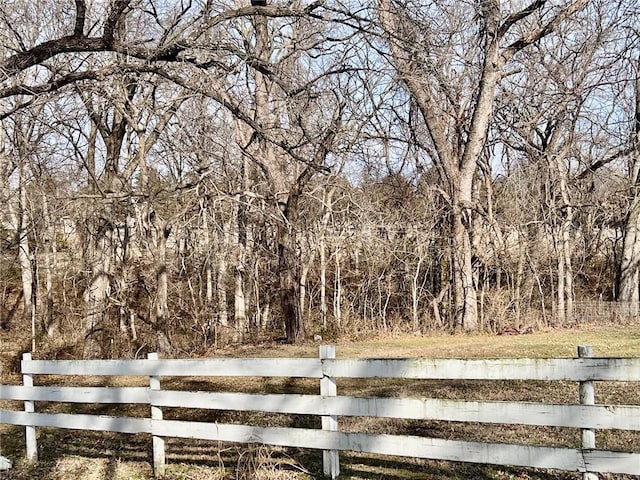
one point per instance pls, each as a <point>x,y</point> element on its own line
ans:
<point>629,271</point>
<point>290,159</point>
<point>452,67</point>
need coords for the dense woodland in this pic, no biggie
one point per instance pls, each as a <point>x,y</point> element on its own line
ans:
<point>183,175</point>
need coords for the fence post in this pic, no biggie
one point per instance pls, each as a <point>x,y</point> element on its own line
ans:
<point>30,406</point>
<point>156,414</point>
<point>587,397</point>
<point>329,388</point>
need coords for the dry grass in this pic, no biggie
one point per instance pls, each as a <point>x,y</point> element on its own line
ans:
<point>70,455</point>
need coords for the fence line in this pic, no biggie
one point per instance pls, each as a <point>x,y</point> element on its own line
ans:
<point>568,369</point>
<point>330,406</point>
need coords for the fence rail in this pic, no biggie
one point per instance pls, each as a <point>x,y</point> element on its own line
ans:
<point>569,369</point>
<point>330,407</point>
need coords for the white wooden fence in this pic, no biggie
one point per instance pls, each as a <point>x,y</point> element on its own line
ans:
<point>330,406</point>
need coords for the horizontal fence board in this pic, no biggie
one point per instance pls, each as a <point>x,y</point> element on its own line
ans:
<point>570,369</point>
<point>522,413</point>
<point>613,462</point>
<point>205,367</point>
<point>407,446</point>
<point>439,449</point>
<point>76,394</point>
<point>77,421</point>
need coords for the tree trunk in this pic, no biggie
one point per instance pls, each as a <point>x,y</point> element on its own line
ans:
<point>304,275</point>
<point>162,232</point>
<point>20,224</point>
<point>629,270</point>
<point>415,295</point>
<point>208,271</point>
<point>221,277</point>
<point>49,324</point>
<point>464,288</point>
<point>327,205</point>
<point>518,284</point>
<point>568,267</point>
<point>337,290</point>
<point>629,274</point>
<point>240,305</point>
<point>289,273</point>
<point>323,280</point>
<point>561,312</point>
<point>98,290</point>
<point>239,299</point>
<point>464,291</point>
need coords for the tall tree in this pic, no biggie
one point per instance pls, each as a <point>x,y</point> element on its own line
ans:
<point>296,120</point>
<point>629,271</point>
<point>451,57</point>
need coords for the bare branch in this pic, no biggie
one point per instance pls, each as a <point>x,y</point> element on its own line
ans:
<point>81,14</point>
<point>58,83</point>
<point>604,161</point>
<point>543,31</point>
<point>115,14</point>
<point>522,14</point>
<point>44,51</point>
<point>77,43</point>
<point>389,17</point>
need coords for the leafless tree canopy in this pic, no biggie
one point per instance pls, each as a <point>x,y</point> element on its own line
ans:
<point>183,175</point>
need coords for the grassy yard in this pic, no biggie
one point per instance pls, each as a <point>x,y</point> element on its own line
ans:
<point>71,455</point>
